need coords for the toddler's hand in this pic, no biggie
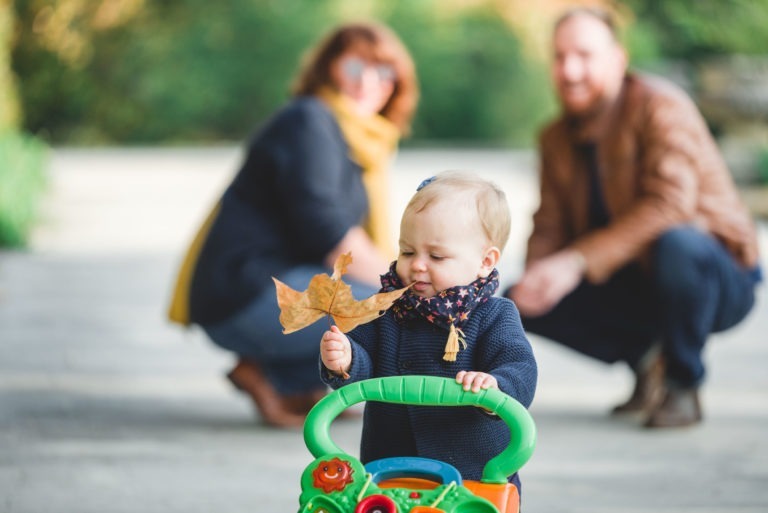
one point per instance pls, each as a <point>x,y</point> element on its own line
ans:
<point>476,380</point>
<point>336,352</point>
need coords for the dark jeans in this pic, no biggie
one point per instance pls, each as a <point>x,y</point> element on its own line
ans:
<point>694,288</point>
<point>289,361</point>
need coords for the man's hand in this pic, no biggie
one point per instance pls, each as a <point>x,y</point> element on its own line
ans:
<point>336,351</point>
<point>476,380</point>
<point>547,281</point>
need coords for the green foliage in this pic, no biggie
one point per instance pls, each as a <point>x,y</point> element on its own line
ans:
<point>21,157</point>
<point>206,71</point>
<point>180,71</point>
<point>196,71</point>
<point>477,86</point>
<point>693,30</point>
<point>9,103</point>
<point>22,179</point>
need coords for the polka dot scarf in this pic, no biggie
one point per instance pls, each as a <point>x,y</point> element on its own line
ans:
<point>449,309</point>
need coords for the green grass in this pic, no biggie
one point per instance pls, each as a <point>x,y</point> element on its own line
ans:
<point>22,181</point>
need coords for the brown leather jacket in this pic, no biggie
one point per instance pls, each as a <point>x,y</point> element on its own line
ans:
<point>659,167</point>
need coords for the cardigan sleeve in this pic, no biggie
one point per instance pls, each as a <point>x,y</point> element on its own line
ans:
<point>505,351</point>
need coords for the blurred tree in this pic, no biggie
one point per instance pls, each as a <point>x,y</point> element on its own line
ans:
<point>9,102</point>
<point>133,71</point>
<point>100,71</point>
<point>22,158</point>
<point>477,86</point>
<point>52,58</point>
<point>162,71</point>
<point>696,30</point>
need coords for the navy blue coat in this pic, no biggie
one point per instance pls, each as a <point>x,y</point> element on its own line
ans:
<point>292,201</point>
<point>465,437</point>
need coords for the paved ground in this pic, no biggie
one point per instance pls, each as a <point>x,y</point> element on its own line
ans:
<point>104,407</point>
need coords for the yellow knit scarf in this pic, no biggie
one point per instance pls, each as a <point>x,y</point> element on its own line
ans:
<point>372,142</point>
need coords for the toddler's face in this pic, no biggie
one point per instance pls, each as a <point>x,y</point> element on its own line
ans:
<point>441,247</point>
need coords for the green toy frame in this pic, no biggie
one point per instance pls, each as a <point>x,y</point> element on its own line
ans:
<point>431,391</point>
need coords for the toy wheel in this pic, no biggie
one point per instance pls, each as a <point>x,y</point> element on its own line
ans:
<point>376,504</point>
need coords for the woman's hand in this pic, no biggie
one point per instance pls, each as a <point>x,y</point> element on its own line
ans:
<point>368,264</point>
<point>336,352</point>
<point>476,380</point>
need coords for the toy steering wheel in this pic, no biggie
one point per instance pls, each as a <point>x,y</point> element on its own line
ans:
<point>430,391</point>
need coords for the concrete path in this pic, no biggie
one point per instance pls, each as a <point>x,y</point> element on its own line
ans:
<point>105,407</point>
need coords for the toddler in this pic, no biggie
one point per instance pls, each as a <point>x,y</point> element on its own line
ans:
<point>448,323</point>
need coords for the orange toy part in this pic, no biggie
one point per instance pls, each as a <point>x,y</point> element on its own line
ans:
<point>332,475</point>
<point>426,509</point>
<point>410,483</point>
<point>503,496</point>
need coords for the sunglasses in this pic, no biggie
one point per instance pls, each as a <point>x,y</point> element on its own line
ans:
<point>354,67</point>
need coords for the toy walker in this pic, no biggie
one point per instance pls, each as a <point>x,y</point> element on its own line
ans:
<point>336,482</point>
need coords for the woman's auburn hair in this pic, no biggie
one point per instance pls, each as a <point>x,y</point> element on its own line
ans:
<point>376,42</point>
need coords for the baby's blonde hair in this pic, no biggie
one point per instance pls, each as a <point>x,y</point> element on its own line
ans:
<point>490,201</point>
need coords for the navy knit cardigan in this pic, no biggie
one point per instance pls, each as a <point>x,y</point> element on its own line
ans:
<point>466,437</point>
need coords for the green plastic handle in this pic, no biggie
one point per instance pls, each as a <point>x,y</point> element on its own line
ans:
<point>430,391</point>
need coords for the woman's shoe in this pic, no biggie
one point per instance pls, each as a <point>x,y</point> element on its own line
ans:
<point>248,377</point>
<point>302,403</point>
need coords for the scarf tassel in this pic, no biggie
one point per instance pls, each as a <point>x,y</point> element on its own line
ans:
<point>456,342</point>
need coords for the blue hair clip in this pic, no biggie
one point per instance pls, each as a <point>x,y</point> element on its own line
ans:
<point>425,183</point>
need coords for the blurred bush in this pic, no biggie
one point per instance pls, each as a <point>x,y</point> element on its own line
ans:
<point>138,71</point>
<point>478,86</point>
<point>191,71</point>
<point>22,180</point>
<point>21,156</point>
<point>698,30</point>
<point>9,106</point>
<point>170,72</point>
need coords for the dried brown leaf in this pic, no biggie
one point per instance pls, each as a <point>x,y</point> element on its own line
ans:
<point>329,295</point>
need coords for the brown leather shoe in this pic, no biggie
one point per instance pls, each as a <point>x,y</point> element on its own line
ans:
<point>248,377</point>
<point>649,389</point>
<point>680,407</point>
<point>302,403</point>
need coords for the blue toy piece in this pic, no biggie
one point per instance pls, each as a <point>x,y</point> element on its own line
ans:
<point>412,466</point>
<point>336,482</point>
